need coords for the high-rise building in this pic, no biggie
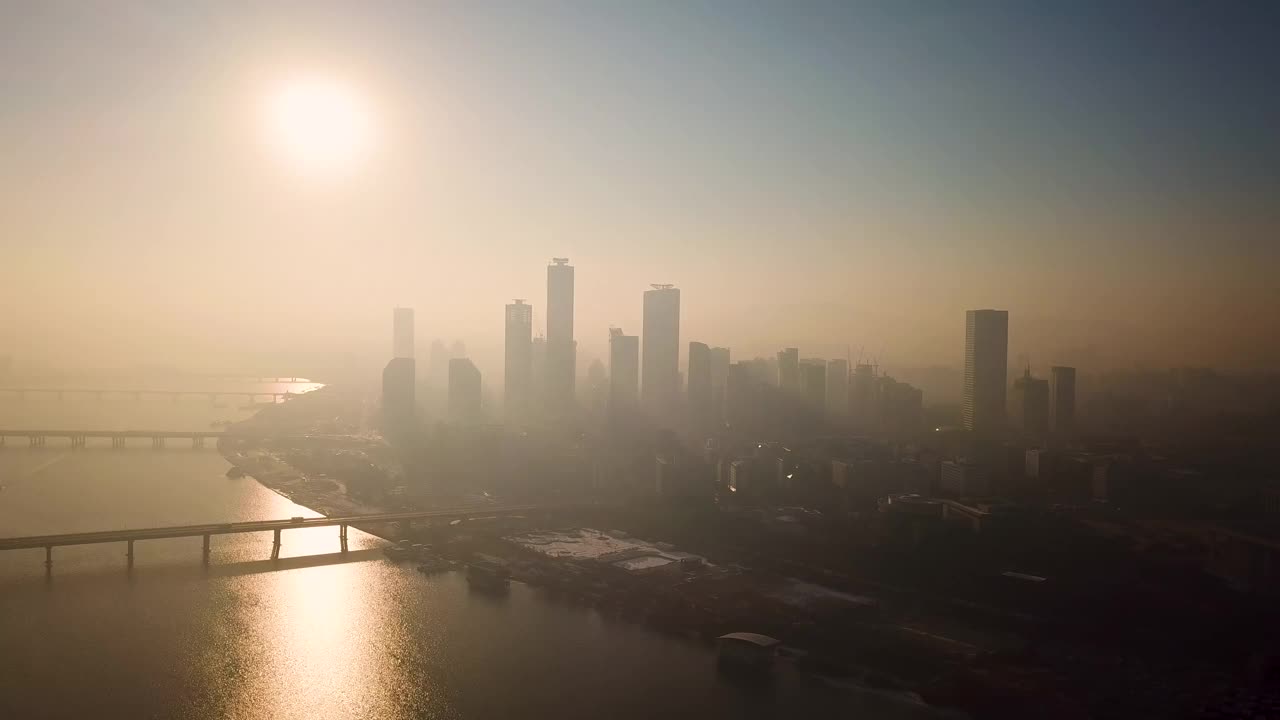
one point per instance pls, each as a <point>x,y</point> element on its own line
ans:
<point>624,373</point>
<point>398,394</point>
<point>561,364</point>
<point>464,391</point>
<point>1031,405</point>
<point>660,351</point>
<point>863,403</point>
<point>517,385</point>
<point>986,368</point>
<point>789,369</point>
<point>813,383</point>
<point>700,398</point>
<point>538,374</point>
<point>837,389</point>
<point>1062,400</point>
<point>719,379</point>
<point>402,332</point>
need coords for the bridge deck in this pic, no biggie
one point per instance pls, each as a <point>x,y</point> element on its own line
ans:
<point>176,531</point>
<point>117,433</point>
<point>148,391</point>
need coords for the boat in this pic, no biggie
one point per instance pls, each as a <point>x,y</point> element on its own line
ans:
<point>746,652</point>
<point>399,551</point>
<point>433,565</point>
<point>235,472</point>
<point>484,576</point>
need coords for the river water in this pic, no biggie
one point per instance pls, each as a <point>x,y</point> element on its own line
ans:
<point>317,634</point>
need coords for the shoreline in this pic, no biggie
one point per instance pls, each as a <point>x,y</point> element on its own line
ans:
<point>324,494</point>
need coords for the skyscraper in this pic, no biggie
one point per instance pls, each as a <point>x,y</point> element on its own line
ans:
<point>1031,405</point>
<point>1062,400</point>
<point>464,391</point>
<point>561,364</point>
<point>813,383</point>
<point>517,384</point>
<point>789,369</point>
<point>986,368</point>
<point>398,395</point>
<point>660,351</point>
<point>624,373</point>
<point>700,407</point>
<point>402,332</point>
<point>719,379</point>
<point>863,405</point>
<point>837,389</point>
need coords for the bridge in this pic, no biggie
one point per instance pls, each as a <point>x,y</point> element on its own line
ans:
<point>119,438</point>
<point>137,394</point>
<point>49,542</point>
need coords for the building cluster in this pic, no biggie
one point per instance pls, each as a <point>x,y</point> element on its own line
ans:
<point>727,425</point>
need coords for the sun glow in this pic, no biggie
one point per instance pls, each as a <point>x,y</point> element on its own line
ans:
<point>320,127</point>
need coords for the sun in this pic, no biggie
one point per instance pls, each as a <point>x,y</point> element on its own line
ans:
<point>319,126</point>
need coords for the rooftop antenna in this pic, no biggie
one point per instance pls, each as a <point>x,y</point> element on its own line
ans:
<point>559,261</point>
<point>661,286</point>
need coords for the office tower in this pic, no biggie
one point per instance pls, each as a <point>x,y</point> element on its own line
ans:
<point>516,381</point>
<point>700,407</point>
<point>986,368</point>
<point>660,351</point>
<point>624,373</point>
<point>398,395</point>
<point>1062,400</point>
<point>596,393</point>
<point>402,332</point>
<point>1031,405</point>
<point>862,397</point>
<point>837,389</point>
<point>813,383</point>
<point>719,379</point>
<point>538,373</point>
<point>464,391</point>
<point>561,364</point>
<point>789,369</point>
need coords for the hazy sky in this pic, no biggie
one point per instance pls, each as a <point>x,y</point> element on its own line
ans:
<point>808,173</point>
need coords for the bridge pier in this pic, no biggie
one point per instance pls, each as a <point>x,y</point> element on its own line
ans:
<point>206,549</point>
<point>342,536</point>
<point>36,440</point>
<point>197,441</point>
<point>117,442</point>
<point>275,546</point>
<point>129,554</point>
<point>77,441</point>
<point>48,559</point>
<point>157,442</point>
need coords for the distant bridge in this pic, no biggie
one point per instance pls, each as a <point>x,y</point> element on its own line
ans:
<point>119,438</point>
<point>137,394</point>
<point>49,542</point>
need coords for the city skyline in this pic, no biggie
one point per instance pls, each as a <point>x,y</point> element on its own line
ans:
<point>1125,233</point>
<point>563,359</point>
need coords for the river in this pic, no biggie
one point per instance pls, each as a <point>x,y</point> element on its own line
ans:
<point>317,634</point>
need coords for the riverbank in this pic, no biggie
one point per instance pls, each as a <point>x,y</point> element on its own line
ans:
<point>317,473</point>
